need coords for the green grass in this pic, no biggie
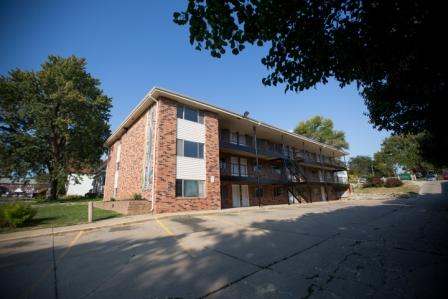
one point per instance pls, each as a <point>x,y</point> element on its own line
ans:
<point>407,189</point>
<point>62,215</point>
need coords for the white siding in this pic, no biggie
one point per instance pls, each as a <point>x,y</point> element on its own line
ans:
<point>84,186</point>
<point>191,131</point>
<point>190,168</point>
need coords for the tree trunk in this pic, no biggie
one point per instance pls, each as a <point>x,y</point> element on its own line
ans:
<point>53,192</point>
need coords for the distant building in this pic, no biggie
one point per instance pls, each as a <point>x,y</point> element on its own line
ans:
<point>21,187</point>
<point>87,182</point>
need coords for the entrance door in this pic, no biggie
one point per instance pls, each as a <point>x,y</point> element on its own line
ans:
<point>245,195</point>
<point>236,196</point>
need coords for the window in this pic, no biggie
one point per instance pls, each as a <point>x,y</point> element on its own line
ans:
<point>233,137</point>
<point>222,163</point>
<point>190,114</point>
<point>243,167</point>
<point>189,188</point>
<point>190,149</point>
<point>242,140</point>
<point>117,167</point>
<point>278,191</point>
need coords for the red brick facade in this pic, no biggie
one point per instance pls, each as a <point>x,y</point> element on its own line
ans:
<point>165,172</point>
<point>130,178</point>
<point>218,194</point>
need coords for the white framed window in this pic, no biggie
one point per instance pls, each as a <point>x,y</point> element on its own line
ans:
<point>189,188</point>
<point>190,149</point>
<point>190,114</point>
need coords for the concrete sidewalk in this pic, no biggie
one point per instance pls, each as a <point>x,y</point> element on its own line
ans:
<point>32,233</point>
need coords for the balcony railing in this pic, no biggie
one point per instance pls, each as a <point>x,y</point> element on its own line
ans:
<point>239,172</point>
<point>270,149</point>
<point>314,178</point>
<point>317,160</point>
<point>263,148</point>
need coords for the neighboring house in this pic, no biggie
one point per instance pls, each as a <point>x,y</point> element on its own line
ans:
<point>21,187</point>
<point>181,154</point>
<point>99,179</point>
<point>79,184</point>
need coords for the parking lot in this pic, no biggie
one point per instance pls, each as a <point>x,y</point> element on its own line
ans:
<point>345,249</point>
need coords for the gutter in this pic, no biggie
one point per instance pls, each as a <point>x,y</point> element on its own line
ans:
<point>153,199</point>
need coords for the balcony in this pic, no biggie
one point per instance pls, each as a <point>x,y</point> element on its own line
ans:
<point>264,148</point>
<point>309,158</point>
<point>314,178</point>
<point>243,173</point>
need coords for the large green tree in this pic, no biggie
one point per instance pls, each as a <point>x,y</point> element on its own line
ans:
<point>405,151</point>
<point>361,166</point>
<point>389,48</point>
<point>321,129</point>
<point>52,121</point>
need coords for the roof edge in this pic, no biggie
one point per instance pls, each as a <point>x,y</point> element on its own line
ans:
<point>158,91</point>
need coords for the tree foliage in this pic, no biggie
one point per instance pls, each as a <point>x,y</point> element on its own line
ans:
<point>405,151</point>
<point>321,129</point>
<point>53,121</point>
<point>386,47</point>
<point>360,166</point>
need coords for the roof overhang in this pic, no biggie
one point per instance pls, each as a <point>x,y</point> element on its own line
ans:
<point>156,92</point>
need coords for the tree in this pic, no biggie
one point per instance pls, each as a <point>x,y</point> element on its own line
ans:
<point>360,166</point>
<point>386,47</point>
<point>405,151</point>
<point>53,121</point>
<point>321,129</point>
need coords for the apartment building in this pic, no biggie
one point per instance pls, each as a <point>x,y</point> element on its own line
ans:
<point>181,154</point>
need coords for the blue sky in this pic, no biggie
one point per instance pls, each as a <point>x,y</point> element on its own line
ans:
<point>132,46</point>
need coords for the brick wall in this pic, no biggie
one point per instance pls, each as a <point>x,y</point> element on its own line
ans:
<point>130,176</point>
<point>110,172</point>
<point>165,180</point>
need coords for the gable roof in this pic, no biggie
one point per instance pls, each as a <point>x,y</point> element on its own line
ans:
<point>156,92</point>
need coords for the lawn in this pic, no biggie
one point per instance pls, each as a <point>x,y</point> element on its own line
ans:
<point>52,215</point>
<point>407,189</point>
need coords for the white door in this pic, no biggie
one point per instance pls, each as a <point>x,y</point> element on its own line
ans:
<point>236,196</point>
<point>245,195</point>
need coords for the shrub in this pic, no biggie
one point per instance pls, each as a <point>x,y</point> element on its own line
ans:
<point>112,199</point>
<point>137,196</point>
<point>17,214</point>
<point>392,182</point>
<point>373,182</point>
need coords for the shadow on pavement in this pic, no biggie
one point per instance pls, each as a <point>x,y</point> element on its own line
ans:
<point>396,249</point>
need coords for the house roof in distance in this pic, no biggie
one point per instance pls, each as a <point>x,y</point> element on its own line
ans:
<point>157,92</point>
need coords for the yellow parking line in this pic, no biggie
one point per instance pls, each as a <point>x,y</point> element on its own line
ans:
<point>179,242</point>
<point>72,243</point>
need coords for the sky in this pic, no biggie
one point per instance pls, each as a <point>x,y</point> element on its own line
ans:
<point>131,46</point>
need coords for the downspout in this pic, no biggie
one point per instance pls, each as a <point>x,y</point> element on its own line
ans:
<point>256,162</point>
<point>153,193</point>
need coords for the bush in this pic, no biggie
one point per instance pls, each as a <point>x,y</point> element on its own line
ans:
<point>392,182</point>
<point>17,214</point>
<point>373,182</point>
<point>137,196</point>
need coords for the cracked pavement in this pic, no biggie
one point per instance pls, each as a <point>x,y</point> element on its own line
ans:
<point>348,249</point>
